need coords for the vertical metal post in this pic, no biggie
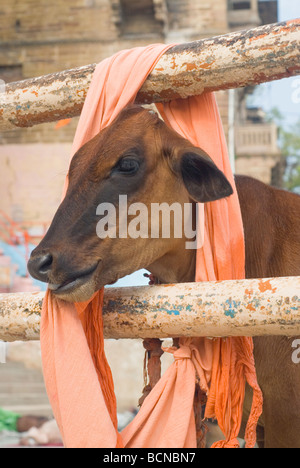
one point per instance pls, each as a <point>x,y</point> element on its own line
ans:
<point>231,132</point>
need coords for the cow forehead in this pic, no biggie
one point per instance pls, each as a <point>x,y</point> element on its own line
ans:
<point>130,131</point>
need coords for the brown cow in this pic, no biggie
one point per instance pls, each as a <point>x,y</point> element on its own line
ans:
<point>139,156</point>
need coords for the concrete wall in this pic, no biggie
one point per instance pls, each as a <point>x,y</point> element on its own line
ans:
<point>258,166</point>
<point>32,177</point>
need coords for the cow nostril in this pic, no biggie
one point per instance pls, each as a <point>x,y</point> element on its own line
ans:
<point>39,266</point>
<point>44,263</point>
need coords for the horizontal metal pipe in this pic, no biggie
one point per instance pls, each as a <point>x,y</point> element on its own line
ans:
<point>253,307</point>
<point>237,59</point>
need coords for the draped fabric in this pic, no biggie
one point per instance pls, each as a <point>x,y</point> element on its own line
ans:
<point>77,375</point>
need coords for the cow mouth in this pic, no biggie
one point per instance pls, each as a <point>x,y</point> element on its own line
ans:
<point>73,283</point>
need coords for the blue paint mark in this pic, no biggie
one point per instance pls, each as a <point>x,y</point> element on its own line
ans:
<point>232,308</point>
<point>174,312</point>
<point>18,107</point>
<point>230,313</point>
<point>169,312</point>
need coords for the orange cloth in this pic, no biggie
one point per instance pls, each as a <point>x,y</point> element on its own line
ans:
<point>71,334</point>
<point>62,123</point>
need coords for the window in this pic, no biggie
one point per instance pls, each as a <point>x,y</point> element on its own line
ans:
<point>239,5</point>
<point>11,73</point>
<point>138,17</point>
<point>243,13</point>
<point>268,11</point>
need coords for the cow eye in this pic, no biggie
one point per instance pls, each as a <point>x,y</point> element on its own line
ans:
<point>127,166</point>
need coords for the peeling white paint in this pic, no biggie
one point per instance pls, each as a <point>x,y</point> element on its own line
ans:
<point>251,307</point>
<point>234,60</point>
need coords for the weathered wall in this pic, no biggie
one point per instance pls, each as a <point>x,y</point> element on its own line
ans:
<point>32,177</point>
<point>33,21</point>
<point>192,20</point>
<point>258,166</point>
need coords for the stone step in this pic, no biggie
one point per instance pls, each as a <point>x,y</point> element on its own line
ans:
<point>17,375</point>
<point>22,397</point>
<point>32,409</point>
<point>19,372</point>
<point>23,390</point>
<point>22,387</point>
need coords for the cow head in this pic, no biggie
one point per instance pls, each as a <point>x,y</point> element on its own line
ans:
<point>137,157</point>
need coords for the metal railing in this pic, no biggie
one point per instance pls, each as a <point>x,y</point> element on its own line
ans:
<point>235,60</point>
<point>227,308</point>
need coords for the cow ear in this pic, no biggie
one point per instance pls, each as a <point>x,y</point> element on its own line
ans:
<point>203,180</point>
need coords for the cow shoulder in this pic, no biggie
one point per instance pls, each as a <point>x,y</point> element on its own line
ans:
<point>271,225</point>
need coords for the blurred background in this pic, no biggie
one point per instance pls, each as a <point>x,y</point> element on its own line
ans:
<point>38,37</point>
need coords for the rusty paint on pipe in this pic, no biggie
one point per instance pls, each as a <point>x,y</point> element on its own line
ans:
<point>237,59</point>
<point>254,307</point>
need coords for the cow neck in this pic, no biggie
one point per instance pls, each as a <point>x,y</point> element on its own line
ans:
<point>176,266</point>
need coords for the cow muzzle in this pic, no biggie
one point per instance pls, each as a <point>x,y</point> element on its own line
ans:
<point>43,267</point>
